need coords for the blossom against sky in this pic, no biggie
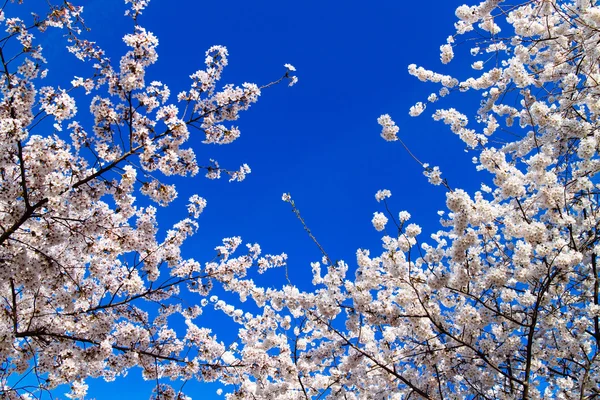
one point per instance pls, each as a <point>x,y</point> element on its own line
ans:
<point>318,140</point>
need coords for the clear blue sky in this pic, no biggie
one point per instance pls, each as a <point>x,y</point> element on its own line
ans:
<point>318,140</point>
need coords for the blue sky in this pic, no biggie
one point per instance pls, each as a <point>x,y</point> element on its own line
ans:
<point>318,140</point>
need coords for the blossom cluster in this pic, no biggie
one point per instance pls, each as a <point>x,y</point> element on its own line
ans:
<point>84,262</point>
<point>501,302</point>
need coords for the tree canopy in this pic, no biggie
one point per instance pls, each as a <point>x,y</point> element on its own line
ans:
<point>502,302</point>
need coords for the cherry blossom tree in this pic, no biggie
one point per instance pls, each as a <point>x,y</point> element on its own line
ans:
<point>86,285</point>
<point>503,301</point>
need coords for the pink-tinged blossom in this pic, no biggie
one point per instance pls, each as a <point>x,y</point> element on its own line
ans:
<point>292,78</point>
<point>196,205</point>
<point>84,255</point>
<point>447,54</point>
<point>500,302</point>
<point>417,109</point>
<point>379,221</point>
<point>389,128</point>
<point>382,195</point>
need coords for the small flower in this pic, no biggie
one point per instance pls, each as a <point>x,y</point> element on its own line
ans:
<point>404,216</point>
<point>379,221</point>
<point>413,230</point>
<point>293,79</point>
<point>417,109</point>
<point>382,194</point>
<point>433,175</point>
<point>446,53</point>
<point>477,65</point>
<point>196,205</point>
<point>390,129</point>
